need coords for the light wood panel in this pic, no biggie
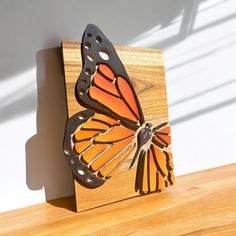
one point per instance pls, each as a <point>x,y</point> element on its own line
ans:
<point>203,203</point>
<point>146,70</point>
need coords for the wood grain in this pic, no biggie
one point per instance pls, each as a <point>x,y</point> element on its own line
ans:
<point>147,73</point>
<point>202,203</point>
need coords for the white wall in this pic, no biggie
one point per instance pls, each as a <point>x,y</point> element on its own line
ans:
<point>199,39</point>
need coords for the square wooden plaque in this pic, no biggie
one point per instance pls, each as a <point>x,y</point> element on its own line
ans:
<point>145,68</point>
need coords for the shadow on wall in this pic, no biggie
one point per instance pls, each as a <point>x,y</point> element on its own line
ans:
<point>62,20</point>
<point>32,31</point>
<point>45,164</point>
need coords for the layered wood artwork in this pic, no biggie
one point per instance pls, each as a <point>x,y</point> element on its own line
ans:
<point>117,138</point>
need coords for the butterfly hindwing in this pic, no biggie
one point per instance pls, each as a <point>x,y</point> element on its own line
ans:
<point>96,145</point>
<point>80,171</point>
<point>155,166</point>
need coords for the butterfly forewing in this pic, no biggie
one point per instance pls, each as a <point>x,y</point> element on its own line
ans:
<point>104,85</point>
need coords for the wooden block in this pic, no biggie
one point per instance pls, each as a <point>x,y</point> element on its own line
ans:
<point>145,68</point>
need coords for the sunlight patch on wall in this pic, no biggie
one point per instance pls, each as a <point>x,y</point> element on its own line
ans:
<point>18,86</point>
<point>152,36</point>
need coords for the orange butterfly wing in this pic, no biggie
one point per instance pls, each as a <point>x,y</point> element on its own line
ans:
<point>155,166</point>
<point>104,85</point>
<point>96,147</point>
<point>114,93</point>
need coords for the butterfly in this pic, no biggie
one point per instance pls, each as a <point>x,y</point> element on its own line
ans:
<point>101,138</point>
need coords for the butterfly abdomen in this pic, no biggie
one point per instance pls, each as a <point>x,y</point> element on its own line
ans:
<point>144,135</point>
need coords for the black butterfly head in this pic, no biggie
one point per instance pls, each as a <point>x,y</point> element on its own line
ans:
<point>148,125</point>
<point>145,134</point>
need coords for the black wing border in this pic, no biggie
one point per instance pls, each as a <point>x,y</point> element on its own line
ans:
<point>93,42</point>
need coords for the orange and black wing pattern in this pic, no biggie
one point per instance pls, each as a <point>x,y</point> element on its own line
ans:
<point>112,128</point>
<point>96,146</point>
<point>155,165</point>
<point>103,84</point>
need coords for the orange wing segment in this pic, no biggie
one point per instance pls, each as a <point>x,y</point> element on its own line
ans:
<point>152,173</point>
<point>128,95</point>
<point>105,84</point>
<point>93,151</point>
<point>106,71</point>
<point>114,93</point>
<point>166,139</point>
<point>165,129</point>
<point>105,119</point>
<point>161,181</point>
<point>94,125</point>
<point>162,136</point>
<point>80,147</point>
<point>114,163</point>
<point>161,159</point>
<point>82,135</point>
<point>145,174</point>
<point>115,134</point>
<point>110,153</point>
<point>164,164</point>
<point>112,102</point>
<point>157,140</point>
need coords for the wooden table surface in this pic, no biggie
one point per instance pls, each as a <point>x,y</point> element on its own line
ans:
<point>202,203</point>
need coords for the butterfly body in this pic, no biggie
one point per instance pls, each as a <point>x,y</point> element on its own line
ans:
<point>99,140</point>
<point>145,134</point>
